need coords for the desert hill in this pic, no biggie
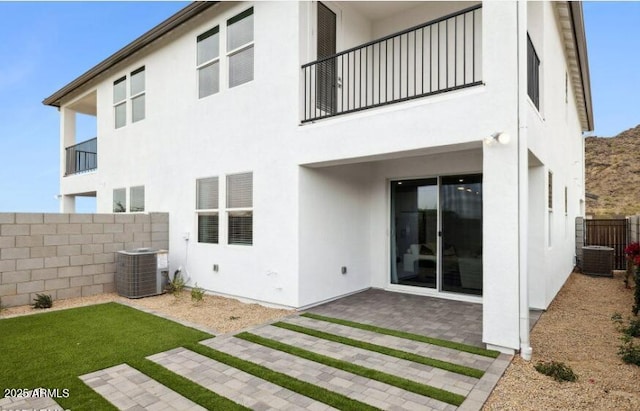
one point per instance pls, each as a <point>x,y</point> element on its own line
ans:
<point>612,172</point>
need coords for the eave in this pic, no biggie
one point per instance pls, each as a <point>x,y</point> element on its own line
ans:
<point>181,17</point>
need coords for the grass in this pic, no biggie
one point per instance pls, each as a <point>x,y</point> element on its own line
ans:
<point>324,395</point>
<point>431,362</point>
<point>53,349</point>
<point>408,336</point>
<point>406,384</point>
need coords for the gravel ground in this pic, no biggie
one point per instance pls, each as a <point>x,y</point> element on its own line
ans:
<point>219,314</point>
<point>576,329</point>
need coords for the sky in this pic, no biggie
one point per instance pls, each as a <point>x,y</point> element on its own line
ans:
<point>45,45</point>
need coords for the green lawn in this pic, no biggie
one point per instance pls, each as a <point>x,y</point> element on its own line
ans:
<point>53,349</point>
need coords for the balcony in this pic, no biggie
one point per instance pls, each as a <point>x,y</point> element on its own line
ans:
<point>438,56</point>
<point>82,157</point>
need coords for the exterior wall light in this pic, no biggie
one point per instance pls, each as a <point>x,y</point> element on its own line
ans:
<point>498,137</point>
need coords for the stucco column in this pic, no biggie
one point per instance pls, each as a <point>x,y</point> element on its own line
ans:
<point>501,196</point>
<point>67,138</point>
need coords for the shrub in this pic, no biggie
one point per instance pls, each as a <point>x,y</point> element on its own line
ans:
<point>559,371</point>
<point>42,301</point>
<point>197,294</point>
<point>176,284</point>
<point>629,352</point>
<point>633,330</point>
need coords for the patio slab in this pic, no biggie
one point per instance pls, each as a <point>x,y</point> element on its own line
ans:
<point>435,317</point>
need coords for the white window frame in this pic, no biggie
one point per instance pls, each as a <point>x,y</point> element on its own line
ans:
<point>121,102</point>
<point>131,199</point>
<point>208,63</point>
<point>140,94</point>
<point>244,210</point>
<point>207,211</point>
<point>241,48</point>
<point>129,98</point>
<point>123,205</point>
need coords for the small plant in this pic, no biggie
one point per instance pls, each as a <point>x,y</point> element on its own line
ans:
<point>2,307</point>
<point>559,371</point>
<point>629,352</point>
<point>233,317</point>
<point>633,329</point>
<point>197,294</point>
<point>42,301</point>
<point>176,284</point>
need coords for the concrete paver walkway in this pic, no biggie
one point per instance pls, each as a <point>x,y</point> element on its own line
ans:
<point>375,393</point>
<point>129,389</point>
<point>29,403</point>
<point>234,384</point>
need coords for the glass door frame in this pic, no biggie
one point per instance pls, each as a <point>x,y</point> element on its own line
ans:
<point>438,290</point>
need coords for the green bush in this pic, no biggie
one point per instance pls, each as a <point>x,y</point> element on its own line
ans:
<point>42,301</point>
<point>629,352</point>
<point>176,284</point>
<point>197,294</point>
<point>559,371</point>
<point>633,330</point>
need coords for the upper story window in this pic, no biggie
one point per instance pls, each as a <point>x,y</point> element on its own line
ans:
<point>533,73</point>
<point>208,62</point>
<point>120,101</point>
<point>240,48</point>
<point>136,95</point>
<point>207,210</point>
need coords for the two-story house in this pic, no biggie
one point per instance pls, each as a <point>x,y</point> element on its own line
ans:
<point>309,150</point>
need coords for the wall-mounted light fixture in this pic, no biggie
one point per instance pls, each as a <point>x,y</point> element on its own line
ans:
<point>498,137</point>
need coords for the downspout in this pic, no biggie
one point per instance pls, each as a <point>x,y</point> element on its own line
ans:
<point>523,182</point>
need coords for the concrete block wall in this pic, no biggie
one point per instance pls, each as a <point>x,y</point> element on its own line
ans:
<point>69,255</point>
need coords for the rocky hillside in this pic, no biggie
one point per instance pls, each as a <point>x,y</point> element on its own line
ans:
<point>613,173</point>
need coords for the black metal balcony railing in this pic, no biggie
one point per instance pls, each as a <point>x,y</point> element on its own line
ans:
<point>533,73</point>
<point>82,157</point>
<point>435,57</point>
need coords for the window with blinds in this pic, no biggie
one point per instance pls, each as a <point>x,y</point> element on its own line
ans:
<point>208,62</point>
<point>136,199</point>
<point>135,93</point>
<point>119,200</point>
<point>326,78</point>
<point>240,48</point>
<point>240,208</point>
<point>207,210</point>
<point>120,102</point>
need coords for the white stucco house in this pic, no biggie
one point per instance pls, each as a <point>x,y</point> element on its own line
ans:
<point>309,150</point>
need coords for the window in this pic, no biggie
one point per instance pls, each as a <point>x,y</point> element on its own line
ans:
<point>240,208</point>
<point>240,48</point>
<point>119,200</point>
<point>208,62</point>
<point>136,95</point>
<point>207,209</point>
<point>120,101</point>
<point>566,200</point>
<point>533,74</point>
<point>136,199</point>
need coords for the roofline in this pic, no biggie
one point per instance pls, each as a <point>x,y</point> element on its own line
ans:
<point>577,20</point>
<point>182,16</point>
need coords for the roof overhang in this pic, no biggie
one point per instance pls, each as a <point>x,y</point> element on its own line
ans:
<point>182,16</point>
<point>571,23</point>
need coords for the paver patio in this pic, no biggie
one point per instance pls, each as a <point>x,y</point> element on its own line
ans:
<point>450,320</point>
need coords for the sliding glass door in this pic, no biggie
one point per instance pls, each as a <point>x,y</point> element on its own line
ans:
<point>436,233</point>
<point>414,227</point>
